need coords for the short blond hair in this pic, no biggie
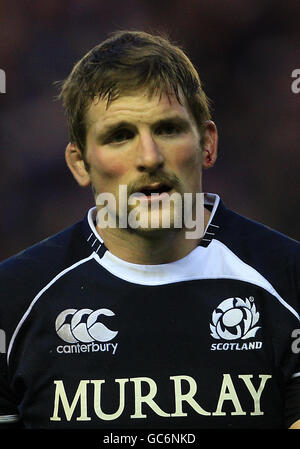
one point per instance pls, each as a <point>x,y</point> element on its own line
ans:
<point>122,64</point>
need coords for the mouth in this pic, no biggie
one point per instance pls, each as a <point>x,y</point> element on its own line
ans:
<point>154,189</point>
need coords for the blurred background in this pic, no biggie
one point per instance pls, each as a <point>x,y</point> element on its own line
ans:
<point>245,52</point>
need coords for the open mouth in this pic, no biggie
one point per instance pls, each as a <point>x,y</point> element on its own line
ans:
<point>155,189</point>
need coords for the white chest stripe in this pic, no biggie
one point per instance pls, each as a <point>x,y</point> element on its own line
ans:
<point>216,261</point>
<point>58,276</point>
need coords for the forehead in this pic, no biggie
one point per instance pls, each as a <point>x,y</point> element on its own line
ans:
<point>138,108</point>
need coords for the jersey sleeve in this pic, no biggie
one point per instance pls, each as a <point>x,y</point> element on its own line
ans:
<point>292,401</point>
<point>22,276</point>
<point>292,394</point>
<point>9,414</point>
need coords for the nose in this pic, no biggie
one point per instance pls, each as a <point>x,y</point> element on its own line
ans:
<point>149,158</point>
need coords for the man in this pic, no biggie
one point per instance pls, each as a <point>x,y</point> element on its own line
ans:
<point>133,317</point>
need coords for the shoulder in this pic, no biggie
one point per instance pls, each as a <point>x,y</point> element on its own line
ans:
<point>23,275</point>
<point>49,254</point>
<point>274,255</point>
<point>250,237</point>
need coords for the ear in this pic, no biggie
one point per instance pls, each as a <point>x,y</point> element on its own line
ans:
<point>209,144</point>
<point>76,164</point>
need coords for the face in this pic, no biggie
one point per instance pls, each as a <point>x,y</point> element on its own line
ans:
<point>151,145</point>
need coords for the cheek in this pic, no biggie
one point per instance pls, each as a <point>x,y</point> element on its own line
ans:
<point>188,157</point>
<point>108,165</point>
<point>187,164</point>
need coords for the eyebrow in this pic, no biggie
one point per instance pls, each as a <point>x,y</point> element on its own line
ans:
<point>176,120</point>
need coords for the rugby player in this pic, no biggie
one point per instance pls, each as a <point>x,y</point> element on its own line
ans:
<point>131,317</point>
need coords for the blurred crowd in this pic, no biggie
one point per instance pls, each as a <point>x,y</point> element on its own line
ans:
<point>245,51</point>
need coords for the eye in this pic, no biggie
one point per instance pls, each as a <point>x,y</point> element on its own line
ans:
<point>120,136</point>
<point>168,129</point>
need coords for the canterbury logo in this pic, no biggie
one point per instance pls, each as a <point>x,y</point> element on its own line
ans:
<point>83,326</point>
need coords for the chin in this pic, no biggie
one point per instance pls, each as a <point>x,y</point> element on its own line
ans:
<point>161,220</point>
<point>154,233</point>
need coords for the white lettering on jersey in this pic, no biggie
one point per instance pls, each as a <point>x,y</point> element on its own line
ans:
<point>64,408</point>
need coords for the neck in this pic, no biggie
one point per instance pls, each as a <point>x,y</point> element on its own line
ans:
<point>149,248</point>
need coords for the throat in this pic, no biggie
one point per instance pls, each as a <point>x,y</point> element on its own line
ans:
<point>140,249</point>
<point>164,246</point>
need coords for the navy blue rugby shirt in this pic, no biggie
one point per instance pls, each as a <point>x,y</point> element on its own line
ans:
<point>203,342</point>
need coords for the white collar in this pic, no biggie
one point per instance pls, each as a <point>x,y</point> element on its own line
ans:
<point>182,269</point>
